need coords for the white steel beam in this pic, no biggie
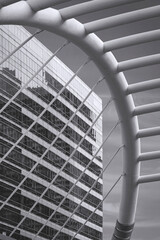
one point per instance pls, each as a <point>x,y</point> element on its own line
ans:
<point>138,62</point>
<point>149,156</point>
<point>121,19</point>
<point>148,132</point>
<point>132,40</point>
<point>148,108</point>
<point>143,86</point>
<point>149,178</point>
<point>91,6</point>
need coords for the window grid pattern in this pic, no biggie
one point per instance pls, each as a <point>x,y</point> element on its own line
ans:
<point>12,169</point>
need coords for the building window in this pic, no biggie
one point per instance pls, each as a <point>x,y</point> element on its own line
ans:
<point>33,187</point>
<point>32,146</point>
<point>21,201</point>
<point>48,232</point>
<point>42,211</point>
<point>54,159</point>
<point>31,225</point>
<point>44,173</point>
<point>10,215</point>
<point>10,174</point>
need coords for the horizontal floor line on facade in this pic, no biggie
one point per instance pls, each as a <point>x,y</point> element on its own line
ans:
<point>61,137</point>
<point>35,158</point>
<point>52,205</point>
<point>60,98</point>
<point>46,145</point>
<point>73,109</point>
<point>46,183</point>
<point>36,217</point>
<point>52,111</point>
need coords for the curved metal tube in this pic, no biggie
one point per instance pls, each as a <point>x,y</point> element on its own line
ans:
<point>123,18</point>
<point>132,40</point>
<point>92,6</point>
<point>50,19</point>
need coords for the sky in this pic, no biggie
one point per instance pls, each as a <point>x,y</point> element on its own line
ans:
<point>147,224</point>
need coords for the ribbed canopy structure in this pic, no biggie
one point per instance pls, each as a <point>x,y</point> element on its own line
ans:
<point>137,24</point>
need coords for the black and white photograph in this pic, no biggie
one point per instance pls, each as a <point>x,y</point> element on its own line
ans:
<point>79,119</point>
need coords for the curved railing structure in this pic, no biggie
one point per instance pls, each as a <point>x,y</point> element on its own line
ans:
<point>63,22</point>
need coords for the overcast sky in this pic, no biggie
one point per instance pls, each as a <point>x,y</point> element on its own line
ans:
<point>148,212</point>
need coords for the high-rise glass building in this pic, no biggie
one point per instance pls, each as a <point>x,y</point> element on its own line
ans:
<point>44,190</point>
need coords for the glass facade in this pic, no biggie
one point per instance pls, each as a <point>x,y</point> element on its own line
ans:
<point>42,177</point>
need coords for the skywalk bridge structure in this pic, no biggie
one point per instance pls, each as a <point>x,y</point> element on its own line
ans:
<point>42,14</point>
